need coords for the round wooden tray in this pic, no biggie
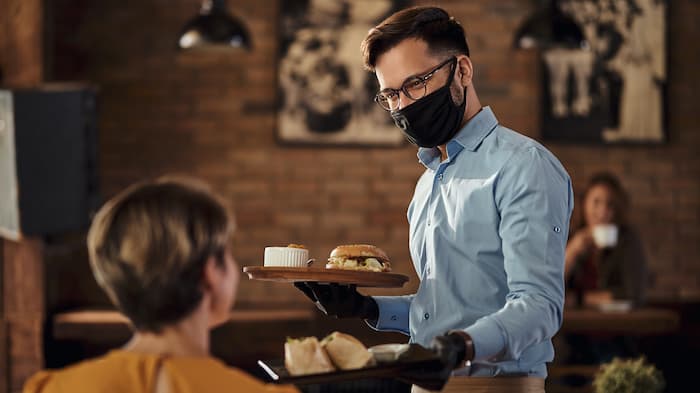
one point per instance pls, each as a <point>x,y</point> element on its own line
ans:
<point>350,277</point>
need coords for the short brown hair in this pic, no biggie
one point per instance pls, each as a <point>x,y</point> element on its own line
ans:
<point>435,26</point>
<point>149,244</point>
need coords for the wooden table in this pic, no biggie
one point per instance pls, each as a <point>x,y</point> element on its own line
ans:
<point>636,322</point>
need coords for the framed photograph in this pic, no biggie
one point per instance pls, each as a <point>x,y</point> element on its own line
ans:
<point>611,91</point>
<point>325,94</point>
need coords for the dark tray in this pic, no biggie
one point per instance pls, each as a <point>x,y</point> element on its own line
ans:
<point>417,365</point>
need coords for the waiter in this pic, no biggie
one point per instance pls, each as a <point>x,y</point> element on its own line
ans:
<point>488,220</point>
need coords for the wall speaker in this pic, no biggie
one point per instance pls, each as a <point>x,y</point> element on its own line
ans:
<point>48,160</point>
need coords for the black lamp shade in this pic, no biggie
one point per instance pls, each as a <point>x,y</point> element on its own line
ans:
<point>214,27</point>
<point>549,27</point>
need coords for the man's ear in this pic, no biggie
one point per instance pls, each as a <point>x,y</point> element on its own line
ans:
<point>465,69</point>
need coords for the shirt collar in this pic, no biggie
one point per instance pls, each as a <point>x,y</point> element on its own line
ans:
<point>469,137</point>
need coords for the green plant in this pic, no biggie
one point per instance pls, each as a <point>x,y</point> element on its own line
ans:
<point>629,376</point>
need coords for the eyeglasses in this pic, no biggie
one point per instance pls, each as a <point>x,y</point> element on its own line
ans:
<point>414,88</point>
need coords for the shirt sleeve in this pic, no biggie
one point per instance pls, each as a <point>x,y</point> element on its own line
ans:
<point>534,197</point>
<point>393,314</point>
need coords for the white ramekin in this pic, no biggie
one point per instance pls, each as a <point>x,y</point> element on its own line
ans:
<point>286,256</point>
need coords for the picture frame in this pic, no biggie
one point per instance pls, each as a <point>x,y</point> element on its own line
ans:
<point>613,90</point>
<point>326,97</point>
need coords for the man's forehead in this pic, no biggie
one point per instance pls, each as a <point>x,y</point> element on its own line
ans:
<point>409,57</point>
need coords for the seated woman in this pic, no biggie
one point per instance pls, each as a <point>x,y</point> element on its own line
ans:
<point>161,252</point>
<point>607,264</point>
<point>600,267</point>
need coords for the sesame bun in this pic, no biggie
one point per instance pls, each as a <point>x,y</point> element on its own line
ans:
<point>359,250</point>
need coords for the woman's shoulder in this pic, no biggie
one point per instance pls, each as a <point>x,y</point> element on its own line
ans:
<point>125,372</point>
<point>38,382</point>
<point>72,378</point>
<point>212,375</point>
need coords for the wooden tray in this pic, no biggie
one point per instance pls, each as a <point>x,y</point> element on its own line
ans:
<point>417,365</point>
<point>350,277</point>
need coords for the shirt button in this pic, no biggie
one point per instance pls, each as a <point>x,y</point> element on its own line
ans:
<point>426,316</point>
<point>557,229</point>
<point>440,177</point>
<point>394,317</point>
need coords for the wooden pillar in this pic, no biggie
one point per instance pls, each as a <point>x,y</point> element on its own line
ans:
<point>23,309</point>
<point>22,267</point>
<point>21,42</point>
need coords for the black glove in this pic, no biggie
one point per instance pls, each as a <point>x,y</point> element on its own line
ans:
<point>340,301</point>
<point>452,349</point>
<point>427,371</point>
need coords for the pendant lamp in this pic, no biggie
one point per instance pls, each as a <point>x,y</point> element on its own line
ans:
<point>549,27</point>
<point>214,27</point>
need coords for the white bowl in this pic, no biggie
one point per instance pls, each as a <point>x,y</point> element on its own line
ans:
<point>286,256</point>
<point>387,353</point>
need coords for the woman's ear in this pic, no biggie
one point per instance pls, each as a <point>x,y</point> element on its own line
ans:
<point>211,276</point>
<point>465,69</point>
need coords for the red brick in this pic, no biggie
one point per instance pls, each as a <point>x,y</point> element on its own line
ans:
<point>294,219</point>
<point>342,220</point>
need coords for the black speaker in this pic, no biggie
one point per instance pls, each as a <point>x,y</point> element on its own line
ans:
<point>48,160</point>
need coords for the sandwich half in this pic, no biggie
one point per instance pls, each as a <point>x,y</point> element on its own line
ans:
<point>346,352</point>
<point>306,356</point>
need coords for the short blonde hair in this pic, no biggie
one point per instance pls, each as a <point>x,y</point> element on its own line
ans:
<point>149,244</point>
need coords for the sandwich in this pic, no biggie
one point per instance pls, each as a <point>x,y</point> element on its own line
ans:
<point>306,356</point>
<point>359,257</point>
<point>346,352</point>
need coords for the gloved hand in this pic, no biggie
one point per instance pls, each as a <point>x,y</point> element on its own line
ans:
<point>452,349</point>
<point>340,301</point>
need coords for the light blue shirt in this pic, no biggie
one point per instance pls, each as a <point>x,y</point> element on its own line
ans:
<point>488,228</point>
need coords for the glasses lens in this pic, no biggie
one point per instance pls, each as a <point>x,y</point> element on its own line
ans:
<point>414,88</point>
<point>387,100</point>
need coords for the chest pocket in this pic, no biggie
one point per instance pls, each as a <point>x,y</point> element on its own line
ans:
<point>471,209</point>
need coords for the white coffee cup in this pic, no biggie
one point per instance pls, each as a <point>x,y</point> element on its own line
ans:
<point>605,235</point>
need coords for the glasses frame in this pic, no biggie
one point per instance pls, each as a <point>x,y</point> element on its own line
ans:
<point>422,78</point>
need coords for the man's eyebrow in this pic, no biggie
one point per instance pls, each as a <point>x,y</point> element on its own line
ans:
<point>416,75</point>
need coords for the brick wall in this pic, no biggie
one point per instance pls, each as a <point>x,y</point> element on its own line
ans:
<point>212,115</point>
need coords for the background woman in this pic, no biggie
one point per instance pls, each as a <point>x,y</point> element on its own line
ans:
<point>611,269</point>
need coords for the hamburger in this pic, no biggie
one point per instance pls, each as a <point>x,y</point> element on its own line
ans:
<point>359,257</point>
<point>306,356</point>
<point>346,352</point>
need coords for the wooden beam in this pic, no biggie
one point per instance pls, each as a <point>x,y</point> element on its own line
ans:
<point>23,309</point>
<point>22,264</point>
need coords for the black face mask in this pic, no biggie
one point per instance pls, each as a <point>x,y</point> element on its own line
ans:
<point>432,120</point>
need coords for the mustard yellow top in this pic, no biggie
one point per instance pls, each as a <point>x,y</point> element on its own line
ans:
<point>123,371</point>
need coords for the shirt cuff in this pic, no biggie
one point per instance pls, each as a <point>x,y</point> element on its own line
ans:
<point>488,338</point>
<point>393,313</point>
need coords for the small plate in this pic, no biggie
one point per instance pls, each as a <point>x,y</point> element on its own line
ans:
<point>387,353</point>
<point>615,306</point>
